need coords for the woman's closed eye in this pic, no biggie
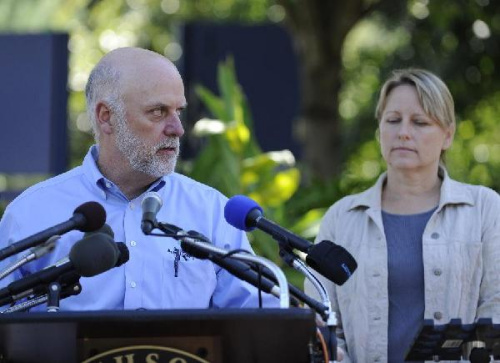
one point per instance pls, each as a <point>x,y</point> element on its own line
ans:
<point>420,122</point>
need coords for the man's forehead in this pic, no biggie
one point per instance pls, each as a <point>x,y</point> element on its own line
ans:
<point>137,62</point>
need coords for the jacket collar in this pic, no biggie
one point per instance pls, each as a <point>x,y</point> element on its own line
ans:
<point>452,192</point>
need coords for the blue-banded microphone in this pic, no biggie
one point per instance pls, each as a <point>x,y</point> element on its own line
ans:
<point>150,205</point>
<point>87,217</point>
<point>331,260</point>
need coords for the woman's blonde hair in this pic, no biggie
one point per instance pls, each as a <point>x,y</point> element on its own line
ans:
<point>434,96</point>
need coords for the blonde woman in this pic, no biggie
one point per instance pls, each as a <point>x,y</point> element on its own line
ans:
<point>427,247</point>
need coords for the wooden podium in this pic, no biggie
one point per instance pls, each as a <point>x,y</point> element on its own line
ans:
<point>174,336</point>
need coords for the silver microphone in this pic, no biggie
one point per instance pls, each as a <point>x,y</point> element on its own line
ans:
<point>151,204</point>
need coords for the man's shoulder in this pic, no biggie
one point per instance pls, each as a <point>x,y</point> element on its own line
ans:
<point>191,185</point>
<point>50,188</point>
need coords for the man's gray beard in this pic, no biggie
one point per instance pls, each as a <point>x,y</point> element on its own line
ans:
<point>143,157</point>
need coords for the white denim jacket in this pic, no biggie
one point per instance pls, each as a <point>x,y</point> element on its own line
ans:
<point>461,254</point>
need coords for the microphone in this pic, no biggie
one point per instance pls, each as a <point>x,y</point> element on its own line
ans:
<point>88,257</point>
<point>329,259</point>
<point>123,254</point>
<point>106,229</point>
<point>239,269</point>
<point>267,282</point>
<point>150,205</point>
<point>35,253</point>
<point>121,249</point>
<point>200,247</point>
<point>87,217</point>
<point>105,233</point>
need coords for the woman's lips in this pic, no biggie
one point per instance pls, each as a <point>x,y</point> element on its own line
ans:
<point>403,149</point>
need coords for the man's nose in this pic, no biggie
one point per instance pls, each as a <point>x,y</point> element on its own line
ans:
<point>173,126</point>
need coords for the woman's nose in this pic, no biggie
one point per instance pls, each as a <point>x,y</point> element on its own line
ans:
<point>404,130</point>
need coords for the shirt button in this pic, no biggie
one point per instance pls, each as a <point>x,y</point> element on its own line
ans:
<point>435,235</point>
<point>437,272</point>
<point>132,206</point>
<point>108,185</point>
<point>133,243</point>
<point>438,315</point>
<point>133,284</point>
<point>376,318</point>
<point>376,274</point>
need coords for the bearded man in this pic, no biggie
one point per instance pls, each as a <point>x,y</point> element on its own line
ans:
<point>134,100</point>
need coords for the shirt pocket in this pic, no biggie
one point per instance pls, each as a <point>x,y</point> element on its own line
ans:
<point>463,260</point>
<point>187,282</point>
<point>453,278</point>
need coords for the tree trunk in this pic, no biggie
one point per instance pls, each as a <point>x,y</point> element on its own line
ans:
<point>318,29</point>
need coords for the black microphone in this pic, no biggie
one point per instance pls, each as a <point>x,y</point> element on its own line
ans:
<point>106,229</point>
<point>239,269</point>
<point>329,259</point>
<point>88,257</point>
<point>246,272</point>
<point>151,204</point>
<point>122,252</point>
<point>87,217</point>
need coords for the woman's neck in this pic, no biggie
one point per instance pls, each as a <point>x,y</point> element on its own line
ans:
<point>405,193</point>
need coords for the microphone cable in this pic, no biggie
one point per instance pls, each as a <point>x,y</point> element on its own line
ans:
<point>254,266</point>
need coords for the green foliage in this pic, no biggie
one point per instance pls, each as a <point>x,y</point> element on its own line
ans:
<point>232,161</point>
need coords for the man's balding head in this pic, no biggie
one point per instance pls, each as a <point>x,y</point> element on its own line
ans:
<point>116,71</point>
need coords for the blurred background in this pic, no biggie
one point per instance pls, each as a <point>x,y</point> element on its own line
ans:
<point>281,93</point>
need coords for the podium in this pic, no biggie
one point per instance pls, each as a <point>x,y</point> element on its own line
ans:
<point>455,340</point>
<point>225,335</point>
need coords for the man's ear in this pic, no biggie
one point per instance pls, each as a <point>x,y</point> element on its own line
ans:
<point>103,116</point>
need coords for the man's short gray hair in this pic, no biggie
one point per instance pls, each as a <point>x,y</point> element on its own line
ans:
<point>103,86</point>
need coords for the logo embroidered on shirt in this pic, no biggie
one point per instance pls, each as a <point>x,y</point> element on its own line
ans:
<point>178,255</point>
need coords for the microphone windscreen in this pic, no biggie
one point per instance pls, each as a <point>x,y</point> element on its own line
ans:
<point>237,209</point>
<point>123,255</point>
<point>151,202</point>
<point>94,215</point>
<point>106,229</point>
<point>332,261</point>
<point>93,255</point>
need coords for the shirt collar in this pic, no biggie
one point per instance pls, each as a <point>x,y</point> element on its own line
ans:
<point>452,192</point>
<point>105,185</point>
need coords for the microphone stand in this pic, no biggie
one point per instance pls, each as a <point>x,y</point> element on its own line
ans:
<point>66,291</point>
<point>329,316</point>
<point>178,234</point>
<point>36,253</point>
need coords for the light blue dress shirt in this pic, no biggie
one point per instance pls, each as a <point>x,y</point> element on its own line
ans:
<point>159,275</point>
